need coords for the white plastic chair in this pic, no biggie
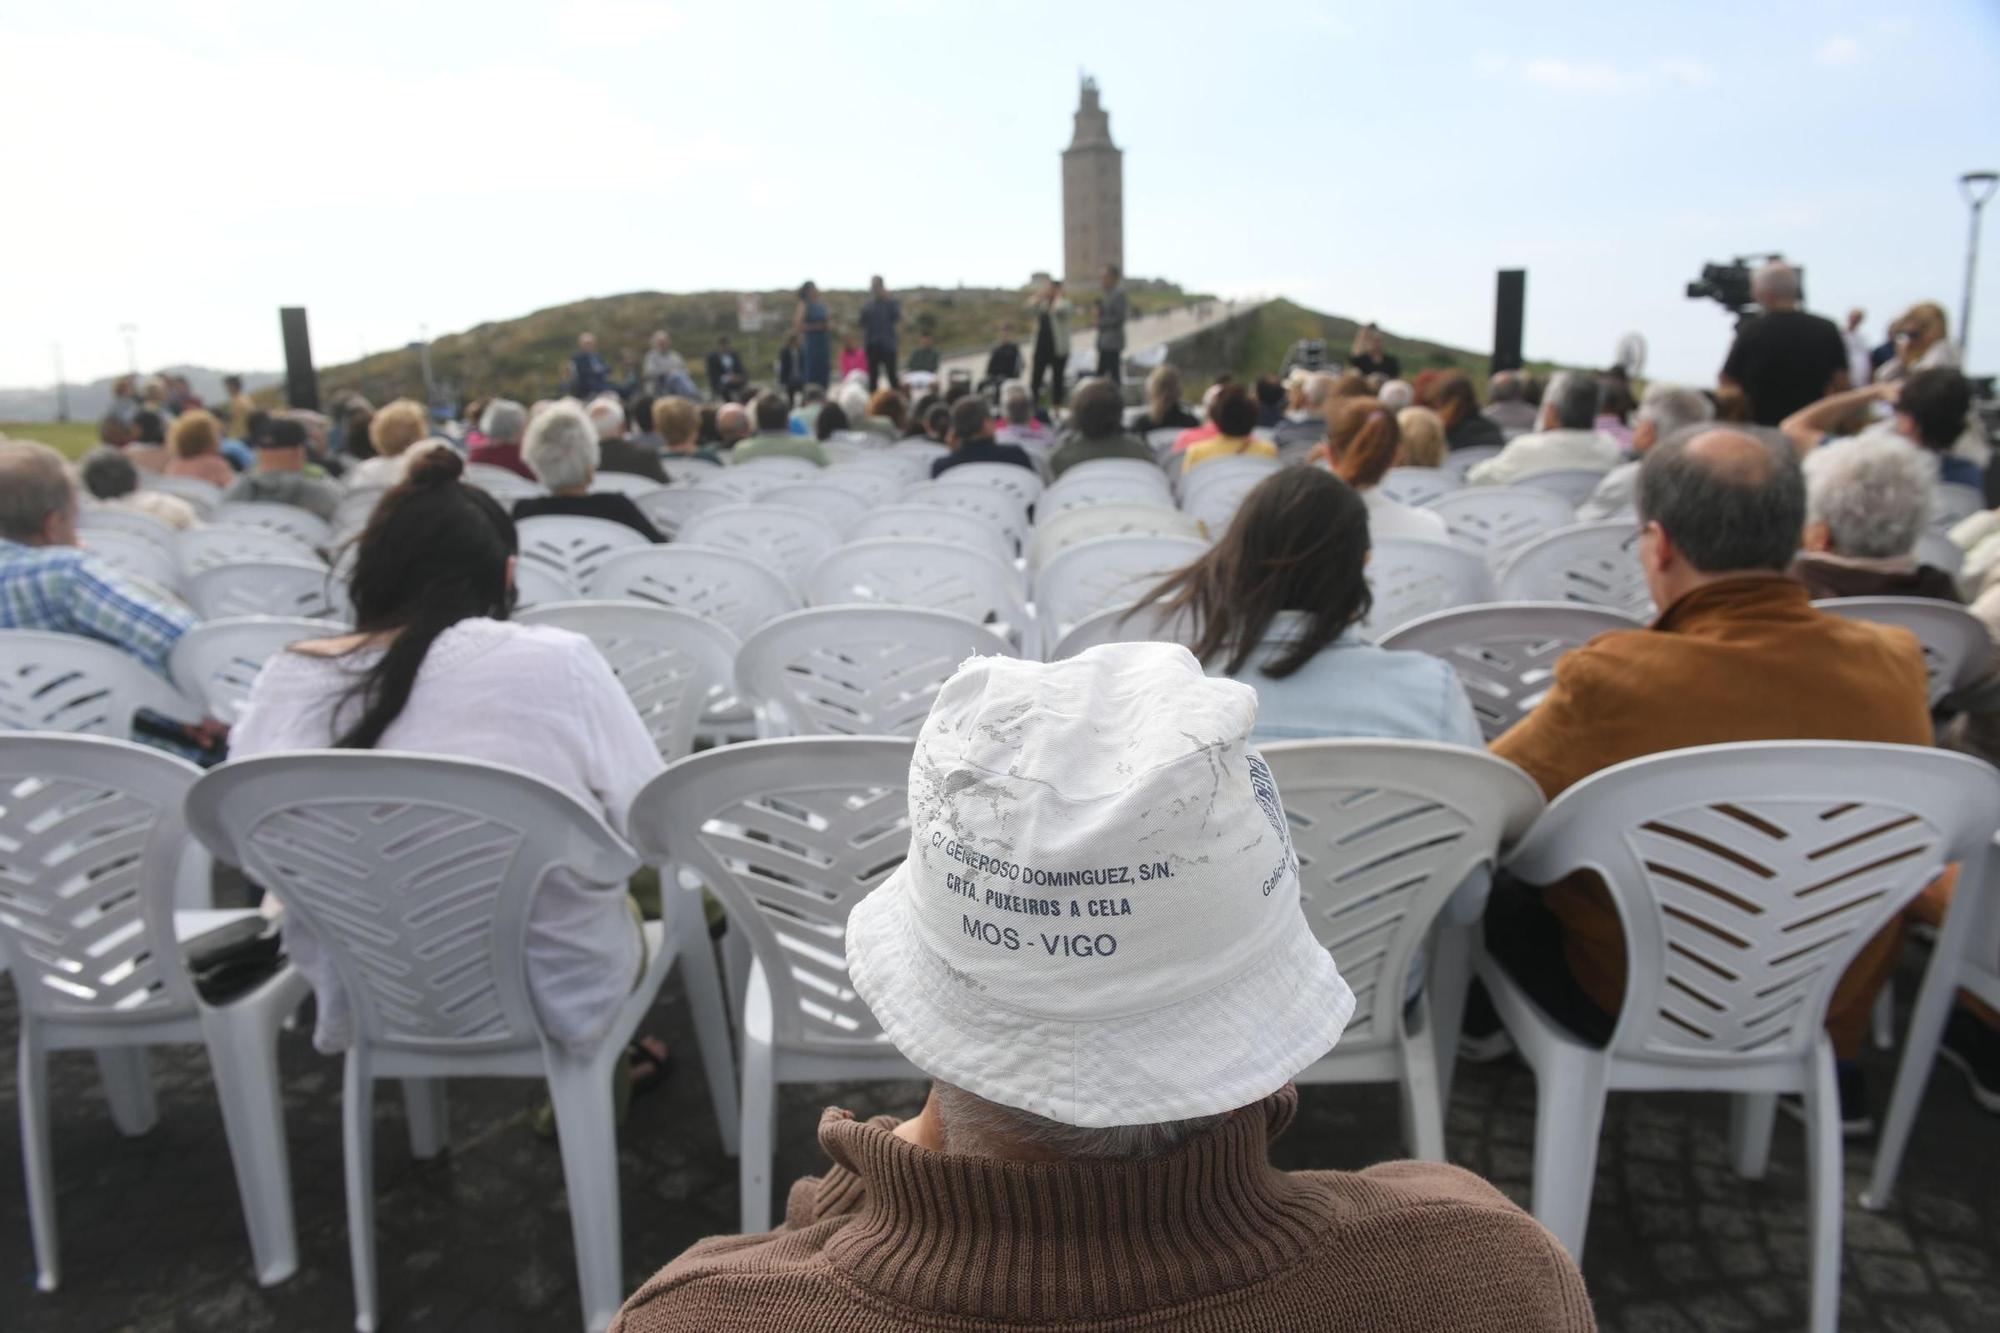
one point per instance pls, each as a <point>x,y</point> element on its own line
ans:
<point>938,576</point>
<point>1094,469</point>
<point>924,451</point>
<point>1073,526</point>
<point>1104,488</point>
<point>788,835</point>
<point>133,556</point>
<point>783,466</point>
<point>535,584</point>
<point>874,485</point>
<point>1103,573</point>
<point>670,507</point>
<point>1940,552</point>
<point>625,483</point>
<point>791,541</point>
<point>1505,653</point>
<point>202,496</point>
<point>1416,486</point>
<point>686,469</point>
<point>1596,564</point>
<point>303,588</point>
<point>572,545</point>
<point>289,520</point>
<point>1021,483</point>
<point>932,523</point>
<point>1161,441</point>
<point>1573,484</point>
<point>351,515</point>
<point>1119,624</point>
<point>1461,461</point>
<point>503,484</point>
<point>94,846</point>
<point>416,875</point>
<point>726,588</point>
<point>1957,648</point>
<point>840,507</point>
<point>1496,521</point>
<point>1212,492</point>
<point>133,522</point>
<point>201,549</point>
<point>1386,833</point>
<point>1746,877</point>
<point>742,483</point>
<point>999,508</point>
<point>1952,502</point>
<point>64,682</point>
<point>1412,577</point>
<point>857,670</point>
<point>217,662</point>
<point>671,663</point>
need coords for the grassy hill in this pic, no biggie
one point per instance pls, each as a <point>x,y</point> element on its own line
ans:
<point>1279,324</point>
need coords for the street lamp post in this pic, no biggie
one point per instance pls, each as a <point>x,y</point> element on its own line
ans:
<point>1977,187</point>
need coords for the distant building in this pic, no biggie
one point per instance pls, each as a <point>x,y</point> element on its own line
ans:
<point>1093,170</point>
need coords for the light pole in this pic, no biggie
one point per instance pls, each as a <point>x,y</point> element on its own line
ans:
<point>1977,187</point>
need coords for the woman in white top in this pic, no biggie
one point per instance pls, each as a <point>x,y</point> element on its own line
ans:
<point>435,667</point>
<point>1362,439</point>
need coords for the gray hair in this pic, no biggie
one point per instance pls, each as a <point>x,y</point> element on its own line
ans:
<point>1674,407</point>
<point>1776,281</point>
<point>33,485</point>
<point>1739,504</point>
<point>1016,403</point>
<point>503,421</point>
<point>975,1126</point>
<point>1397,395</point>
<point>1319,389</point>
<point>853,400</point>
<point>1873,492</point>
<point>107,473</point>
<point>607,414</point>
<point>561,448</point>
<point>1504,386</point>
<point>1573,398</point>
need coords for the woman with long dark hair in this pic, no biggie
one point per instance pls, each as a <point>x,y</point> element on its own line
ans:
<point>1275,604</point>
<point>435,666</point>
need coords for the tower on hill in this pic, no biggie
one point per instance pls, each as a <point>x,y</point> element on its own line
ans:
<point>1093,170</point>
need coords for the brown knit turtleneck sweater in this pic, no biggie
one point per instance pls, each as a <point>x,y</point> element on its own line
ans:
<point>1209,1237</point>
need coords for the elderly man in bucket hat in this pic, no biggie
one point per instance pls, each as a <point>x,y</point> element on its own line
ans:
<point>1095,948</point>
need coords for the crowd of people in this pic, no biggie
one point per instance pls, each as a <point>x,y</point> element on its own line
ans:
<point>1804,471</point>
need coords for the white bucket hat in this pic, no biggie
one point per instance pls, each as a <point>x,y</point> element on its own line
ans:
<point>1098,920</point>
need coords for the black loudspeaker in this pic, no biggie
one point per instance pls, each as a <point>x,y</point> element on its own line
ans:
<point>1510,305</point>
<point>301,382</point>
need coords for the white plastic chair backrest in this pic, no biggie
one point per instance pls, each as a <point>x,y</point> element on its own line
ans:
<point>1081,580</point>
<point>840,507</point>
<point>789,540</point>
<point>1957,648</point>
<point>876,484</point>
<point>780,468</point>
<point>1162,440</point>
<point>1461,461</point>
<point>92,842</point>
<point>64,682</point>
<point>1214,502</point>
<point>624,483</point>
<point>1573,484</point>
<point>670,507</point>
<point>838,450</point>
<point>671,663</point>
<point>859,670</point>
<point>686,469</point>
<point>573,545</point>
<point>216,663</point>
<point>131,554</point>
<point>303,588</point>
<point>925,451</point>
<point>290,520</point>
<point>1411,577</point>
<point>200,549</point>
<point>415,874</point>
<point>1596,564</point>
<point>1102,489</point>
<point>503,484</point>
<point>936,575</point>
<point>203,496</point>
<point>1416,486</point>
<point>1496,521</point>
<point>742,483</point>
<point>998,507</point>
<point>1058,532</point>
<point>536,584</point>
<point>1119,624</point>
<point>933,523</point>
<point>789,835</point>
<point>726,588</point>
<point>1095,469</point>
<point>355,508</point>
<point>1235,474</point>
<point>1385,832</point>
<point>1952,502</point>
<point>1505,653</point>
<point>1748,876</point>
<point>1020,482</point>
<point>1940,552</point>
<point>112,518</point>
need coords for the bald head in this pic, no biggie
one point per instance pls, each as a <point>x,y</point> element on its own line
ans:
<point>1775,286</point>
<point>1731,499</point>
<point>37,502</point>
<point>732,423</point>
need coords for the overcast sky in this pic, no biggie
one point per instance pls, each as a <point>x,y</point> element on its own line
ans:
<point>189,166</point>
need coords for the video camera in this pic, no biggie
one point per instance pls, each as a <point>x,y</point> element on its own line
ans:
<point>1728,285</point>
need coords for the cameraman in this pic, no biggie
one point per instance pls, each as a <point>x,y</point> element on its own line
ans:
<point>1784,358</point>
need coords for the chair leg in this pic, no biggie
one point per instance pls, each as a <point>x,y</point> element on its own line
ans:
<point>1423,1110</point>
<point>358,1139</point>
<point>760,1098</point>
<point>587,1130</point>
<point>37,1162</point>
<point>735,968</point>
<point>1752,1115</point>
<point>711,1012</point>
<point>244,1059</point>
<point>1882,1019</point>
<point>1824,1187</point>
<point>1569,1114</point>
<point>430,1122</point>
<point>127,1074</point>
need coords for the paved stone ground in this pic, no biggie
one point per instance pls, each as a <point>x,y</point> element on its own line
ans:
<point>478,1239</point>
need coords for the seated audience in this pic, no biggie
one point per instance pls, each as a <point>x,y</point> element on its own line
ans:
<point>1135,1190</point>
<point>1017,417</point>
<point>113,482</point>
<point>677,421</point>
<point>1397,395</point>
<point>1234,414</point>
<point>732,427</point>
<point>194,446</point>
<point>1614,413</point>
<point>1666,410</point>
<point>1867,500</point>
<point>1305,425</point>
<point>924,356</point>
<point>561,450</point>
<point>392,432</point>
<point>431,657</point>
<point>888,414</point>
<point>1929,410</point>
<point>774,438</point>
<point>280,476</point>
<point>1003,363</point>
<point>501,425</point>
<point>1921,339</point>
<point>1207,430</point>
<point>616,452</point>
<point>810,403</point>
<point>1741,655</point>
<point>1457,405</point>
<point>1361,442</point>
<point>1164,408</point>
<point>1423,443</point>
<point>829,422</point>
<point>48,583</point>
<point>1507,404</point>
<point>1568,441</point>
<point>972,439</point>
<point>1096,412</point>
<point>148,449</point>
<point>1269,391</point>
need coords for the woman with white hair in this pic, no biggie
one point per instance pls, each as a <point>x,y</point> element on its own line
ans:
<point>1867,500</point>
<point>561,450</point>
<point>501,426</point>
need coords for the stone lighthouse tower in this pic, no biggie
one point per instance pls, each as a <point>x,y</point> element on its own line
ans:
<point>1093,170</point>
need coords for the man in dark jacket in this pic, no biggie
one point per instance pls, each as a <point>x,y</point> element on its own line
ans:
<point>725,371</point>
<point>972,439</point>
<point>588,375</point>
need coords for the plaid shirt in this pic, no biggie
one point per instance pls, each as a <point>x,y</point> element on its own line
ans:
<point>60,588</point>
